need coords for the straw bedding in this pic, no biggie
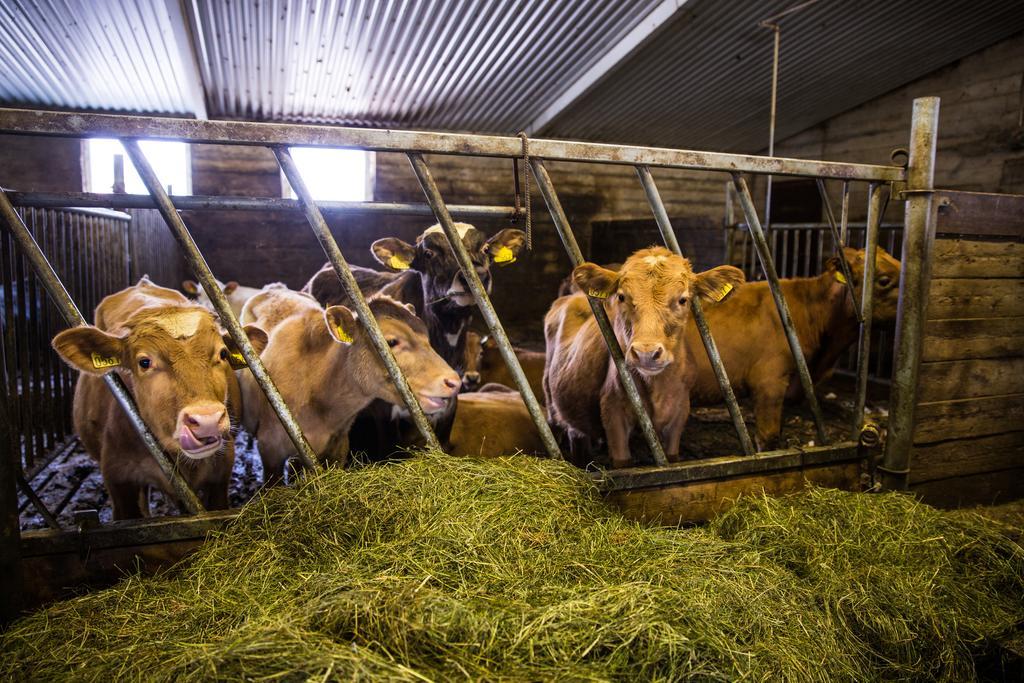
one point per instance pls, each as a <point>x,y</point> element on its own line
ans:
<point>513,569</point>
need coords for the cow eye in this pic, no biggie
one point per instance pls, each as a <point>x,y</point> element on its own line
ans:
<point>144,363</point>
<point>392,342</point>
<point>884,281</point>
<point>621,297</point>
<point>682,301</point>
<point>223,354</point>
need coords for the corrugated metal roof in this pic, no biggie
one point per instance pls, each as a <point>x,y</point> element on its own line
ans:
<point>704,81</point>
<point>481,65</point>
<point>111,55</point>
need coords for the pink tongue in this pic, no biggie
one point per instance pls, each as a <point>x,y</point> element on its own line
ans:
<point>189,442</point>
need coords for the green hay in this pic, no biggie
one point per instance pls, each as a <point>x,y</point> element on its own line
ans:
<point>513,569</point>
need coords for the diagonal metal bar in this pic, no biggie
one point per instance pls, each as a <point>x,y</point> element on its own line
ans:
<point>669,236</point>
<point>433,194</point>
<point>355,295</point>
<point>62,300</point>
<point>547,188</point>
<point>764,254</point>
<point>837,246</point>
<point>37,502</point>
<point>205,277</point>
<point>874,221</point>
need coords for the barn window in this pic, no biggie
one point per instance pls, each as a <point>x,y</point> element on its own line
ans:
<point>340,175</point>
<point>170,161</point>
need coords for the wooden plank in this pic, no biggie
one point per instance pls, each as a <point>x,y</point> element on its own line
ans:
<point>978,489</point>
<point>698,502</point>
<point>980,213</point>
<point>975,378</point>
<point>975,298</point>
<point>971,417</point>
<point>962,338</point>
<point>961,457</point>
<point>960,258</point>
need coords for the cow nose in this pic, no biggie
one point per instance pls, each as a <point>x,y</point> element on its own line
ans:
<point>452,383</point>
<point>204,423</point>
<point>471,378</point>
<point>647,354</point>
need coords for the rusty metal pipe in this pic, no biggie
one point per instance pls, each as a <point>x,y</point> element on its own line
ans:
<point>490,316</point>
<point>62,300</point>
<point>768,265</point>
<point>874,220</point>
<point>837,247</point>
<point>918,238</point>
<point>355,295</point>
<point>78,125</point>
<point>199,267</point>
<point>547,188</point>
<point>668,234</point>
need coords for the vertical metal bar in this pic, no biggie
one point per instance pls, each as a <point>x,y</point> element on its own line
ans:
<point>777,31</point>
<point>768,266</point>
<point>24,398</point>
<point>323,233</point>
<point>547,188</point>
<point>786,268</point>
<point>918,238</point>
<point>874,219</point>
<point>490,316</point>
<point>669,236</point>
<point>808,241</point>
<point>844,213</point>
<point>837,246</point>
<point>220,302</point>
<point>74,318</point>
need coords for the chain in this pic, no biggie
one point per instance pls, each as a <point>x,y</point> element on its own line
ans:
<point>525,182</point>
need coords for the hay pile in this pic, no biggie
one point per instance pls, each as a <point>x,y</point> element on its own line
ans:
<point>442,569</point>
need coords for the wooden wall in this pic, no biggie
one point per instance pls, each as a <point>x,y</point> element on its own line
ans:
<point>969,434</point>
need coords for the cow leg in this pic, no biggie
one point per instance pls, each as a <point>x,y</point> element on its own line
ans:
<point>617,420</point>
<point>768,415</point>
<point>124,499</point>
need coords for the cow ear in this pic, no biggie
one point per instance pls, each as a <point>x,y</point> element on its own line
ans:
<point>190,287</point>
<point>230,287</point>
<point>717,283</point>
<point>393,253</point>
<point>596,281</point>
<point>90,349</point>
<point>341,323</point>
<point>852,257</point>
<point>258,339</point>
<point>504,247</point>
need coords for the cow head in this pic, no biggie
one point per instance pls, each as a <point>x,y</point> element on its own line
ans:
<point>648,301</point>
<point>433,259</point>
<point>433,382</point>
<point>195,291</point>
<point>886,286</point>
<point>177,363</point>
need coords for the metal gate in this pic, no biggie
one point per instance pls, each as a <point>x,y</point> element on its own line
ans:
<point>917,178</point>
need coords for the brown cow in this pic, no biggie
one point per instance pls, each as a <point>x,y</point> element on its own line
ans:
<point>327,371</point>
<point>484,365</point>
<point>492,423</point>
<point>648,303</point>
<point>236,294</point>
<point>177,365</point>
<point>754,349</point>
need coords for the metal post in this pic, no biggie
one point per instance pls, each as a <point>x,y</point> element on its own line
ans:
<point>768,265</point>
<point>426,179</point>
<point>11,595</point>
<point>837,243</point>
<point>348,281</point>
<point>844,213</point>
<point>547,188</point>
<point>669,236</point>
<point>62,300</point>
<point>918,237</point>
<point>220,303</point>
<point>874,221</point>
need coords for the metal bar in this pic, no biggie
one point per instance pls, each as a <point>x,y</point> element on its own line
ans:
<point>220,303</point>
<point>918,238</point>
<point>77,125</point>
<point>348,281</point>
<point>844,212</point>
<point>547,188</point>
<point>68,309</point>
<point>875,192</point>
<point>218,203</point>
<point>768,265</point>
<point>433,194</point>
<point>11,594</point>
<point>37,502</point>
<point>776,39</point>
<point>669,236</point>
<point>837,247</point>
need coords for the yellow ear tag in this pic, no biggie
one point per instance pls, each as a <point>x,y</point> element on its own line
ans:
<point>504,256</point>
<point>597,294</point>
<point>342,335</point>
<point>397,262</point>
<point>840,277</point>
<point>238,358</point>
<point>99,361</point>
<point>721,294</point>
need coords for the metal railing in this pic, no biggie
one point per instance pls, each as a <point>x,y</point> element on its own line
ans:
<point>278,136</point>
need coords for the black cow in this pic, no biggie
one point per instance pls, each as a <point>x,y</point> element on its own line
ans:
<point>427,276</point>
